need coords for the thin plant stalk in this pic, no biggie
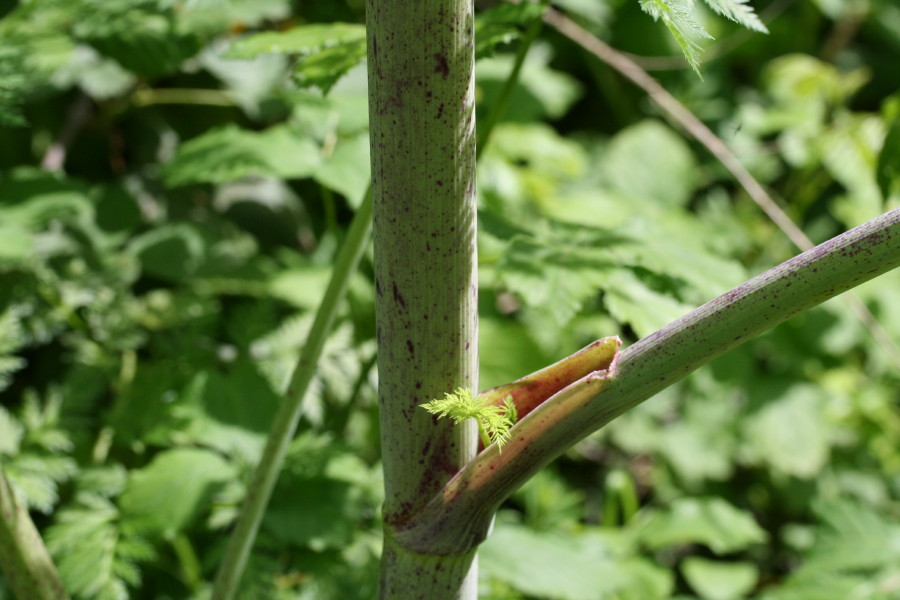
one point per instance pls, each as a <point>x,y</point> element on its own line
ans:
<point>285,423</point>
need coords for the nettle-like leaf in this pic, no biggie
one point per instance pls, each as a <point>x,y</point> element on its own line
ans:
<point>230,153</point>
<point>326,52</point>
<point>681,24</point>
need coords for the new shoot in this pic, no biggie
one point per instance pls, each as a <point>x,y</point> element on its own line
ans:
<point>494,421</point>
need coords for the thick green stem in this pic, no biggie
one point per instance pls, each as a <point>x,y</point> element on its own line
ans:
<point>457,517</point>
<point>285,423</point>
<point>422,121</point>
<point>24,559</point>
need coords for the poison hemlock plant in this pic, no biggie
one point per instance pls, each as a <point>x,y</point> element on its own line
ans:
<point>172,198</point>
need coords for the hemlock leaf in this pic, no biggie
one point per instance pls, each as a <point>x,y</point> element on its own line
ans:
<point>739,12</point>
<point>681,24</point>
<point>95,552</point>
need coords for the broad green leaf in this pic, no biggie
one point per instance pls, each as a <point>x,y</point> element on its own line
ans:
<point>141,35</point>
<point>541,91</point>
<point>172,252</point>
<point>325,67</point>
<point>299,40</point>
<point>717,580</point>
<point>167,496</point>
<point>709,521</point>
<point>585,566</point>
<point>502,24</point>
<point>326,51</point>
<point>334,488</point>
<point>230,153</point>
<point>650,163</point>
<point>346,170</point>
<point>790,432</point>
<point>213,412</point>
<point>631,301</point>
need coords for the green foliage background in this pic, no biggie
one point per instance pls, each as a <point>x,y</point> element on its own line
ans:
<point>156,286</point>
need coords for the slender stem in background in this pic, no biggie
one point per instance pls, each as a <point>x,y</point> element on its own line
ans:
<point>285,422</point>
<point>718,148</point>
<point>204,97</point>
<point>24,559</point>
<point>457,516</point>
<point>486,127</point>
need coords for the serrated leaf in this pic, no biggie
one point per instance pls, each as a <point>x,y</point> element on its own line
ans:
<point>681,24</point>
<point>11,432</point>
<point>230,153</point>
<point>165,497</point>
<point>739,12</point>
<point>92,551</point>
<point>632,301</point>
<point>324,67</point>
<point>37,478</point>
<point>710,521</point>
<point>553,277</point>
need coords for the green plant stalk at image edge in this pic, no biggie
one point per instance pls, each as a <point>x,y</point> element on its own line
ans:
<point>24,559</point>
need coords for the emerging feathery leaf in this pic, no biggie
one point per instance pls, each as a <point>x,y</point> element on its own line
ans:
<point>494,422</point>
